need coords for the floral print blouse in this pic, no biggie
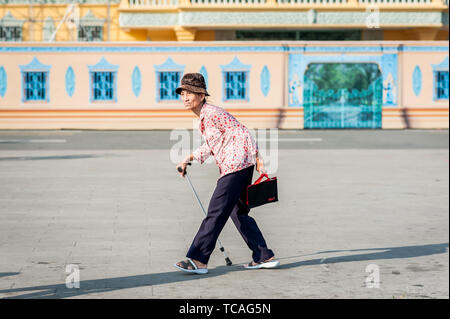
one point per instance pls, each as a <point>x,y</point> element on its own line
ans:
<point>229,141</point>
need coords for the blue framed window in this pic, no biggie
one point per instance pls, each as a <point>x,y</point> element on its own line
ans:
<point>168,77</point>
<point>235,81</point>
<point>103,84</point>
<point>167,83</point>
<point>35,81</point>
<point>103,81</point>
<point>35,86</point>
<point>441,79</point>
<point>235,85</point>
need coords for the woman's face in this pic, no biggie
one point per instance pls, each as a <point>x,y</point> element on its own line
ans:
<point>191,100</point>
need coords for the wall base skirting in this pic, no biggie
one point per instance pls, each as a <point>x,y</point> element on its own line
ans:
<point>283,118</point>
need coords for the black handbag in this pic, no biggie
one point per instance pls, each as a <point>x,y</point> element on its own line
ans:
<point>262,192</point>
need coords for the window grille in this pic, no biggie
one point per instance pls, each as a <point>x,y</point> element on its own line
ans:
<point>235,85</point>
<point>35,88</point>
<point>168,82</point>
<point>103,86</point>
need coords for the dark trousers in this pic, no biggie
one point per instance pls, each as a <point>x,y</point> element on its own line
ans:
<point>228,200</point>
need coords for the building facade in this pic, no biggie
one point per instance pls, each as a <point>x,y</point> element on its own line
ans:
<point>219,20</point>
<point>288,84</point>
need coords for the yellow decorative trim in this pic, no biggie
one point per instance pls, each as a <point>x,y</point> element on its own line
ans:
<point>184,34</point>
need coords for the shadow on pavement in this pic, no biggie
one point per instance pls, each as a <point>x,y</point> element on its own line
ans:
<point>6,274</point>
<point>35,158</point>
<point>112,284</point>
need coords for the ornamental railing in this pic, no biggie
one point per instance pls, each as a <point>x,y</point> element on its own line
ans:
<point>281,3</point>
<point>152,3</point>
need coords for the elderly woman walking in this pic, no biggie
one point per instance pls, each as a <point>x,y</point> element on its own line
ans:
<point>236,154</point>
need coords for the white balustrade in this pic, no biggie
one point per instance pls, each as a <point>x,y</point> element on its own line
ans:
<point>314,2</point>
<point>395,1</point>
<point>165,3</point>
<point>222,2</point>
<point>152,3</point>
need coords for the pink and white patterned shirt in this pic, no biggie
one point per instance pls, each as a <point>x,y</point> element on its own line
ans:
<point>229,141</point>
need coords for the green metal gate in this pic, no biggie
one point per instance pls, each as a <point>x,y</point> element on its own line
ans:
<point>342,108</point>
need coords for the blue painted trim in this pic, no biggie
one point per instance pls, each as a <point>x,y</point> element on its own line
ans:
<point>47,87</point>
<point>204,72</point>
<point>389,69</point>
<point>158,86</point>
<point>443,66</point>
<point>169,65</point>
<point>103,66</point>
<point>70,81</point>
<point>280,48</point>
<point>417,80</point>
<point>91,98</point>
<point>98,49</point>
<point>435,86</point>
<point>246,86</point>
<point>265,81</point>
<point>136,80</point>
<point>236,65</point>
<point>3,81</point>
<point>423,49</point>
<point>36,66</point>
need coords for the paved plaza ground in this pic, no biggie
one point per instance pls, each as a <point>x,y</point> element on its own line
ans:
<point>362,214</point>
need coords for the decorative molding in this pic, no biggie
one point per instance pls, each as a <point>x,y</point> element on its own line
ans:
<point>299,18</point>
<point>443,66</point>
<point>90,20</point>
<point>417,80</point>
<point>389,69</point>
<point>3,81</point>
<point>235,65</point>
<point>414,48</point>
<point>265,81</point>
<point>103,65</point>
<point>169,65</point>
<point>70,81</point>
<point>128,19</point>
<point>92,48</point>
<point>238,66</point>
<point>185,34</point>
<point>204,72</point>
<point>312,16</point>
<point>35,65</point>
<point>136,80</point>
<point>9,20</point>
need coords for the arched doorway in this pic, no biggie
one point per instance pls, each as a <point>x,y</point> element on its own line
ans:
<point>342,95</point>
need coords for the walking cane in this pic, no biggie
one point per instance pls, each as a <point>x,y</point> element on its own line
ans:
<point>227,260</point>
